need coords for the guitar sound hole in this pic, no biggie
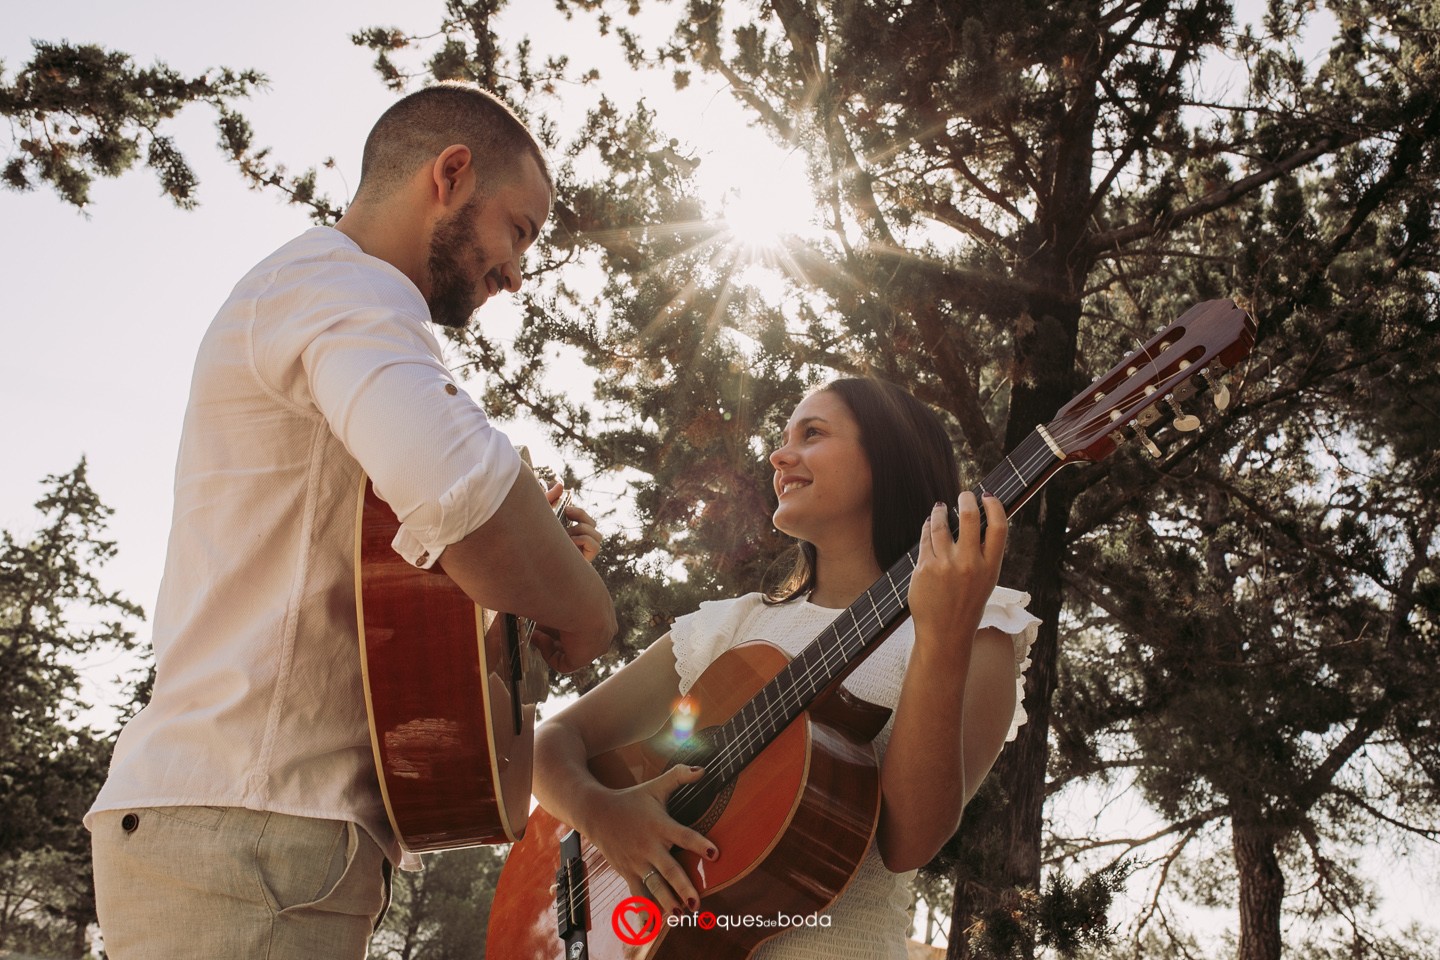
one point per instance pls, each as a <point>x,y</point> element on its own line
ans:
<point>700,804</point>
<point>714,809</point>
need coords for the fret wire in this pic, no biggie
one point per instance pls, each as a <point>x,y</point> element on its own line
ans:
<point>842,636</point>
<point>1032,452</point>
<point>1025,457</point>
<point>816,678</point>
<point>784,714</point>
<point>1018,474</point>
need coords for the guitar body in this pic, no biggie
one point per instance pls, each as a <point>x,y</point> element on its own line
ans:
<point>791,798</point>
<point>452,747</point>
<point>791,828</point>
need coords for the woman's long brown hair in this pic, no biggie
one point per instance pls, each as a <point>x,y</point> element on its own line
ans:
<point>912,468</point>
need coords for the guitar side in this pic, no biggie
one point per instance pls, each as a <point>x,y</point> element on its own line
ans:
<point>1133,399</point>
<point>791,832</point>
<point>454,767</point>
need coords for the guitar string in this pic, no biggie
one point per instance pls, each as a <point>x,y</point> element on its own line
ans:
<point>735,747</point>
<point>838,652</point>
<point>1035,460</point>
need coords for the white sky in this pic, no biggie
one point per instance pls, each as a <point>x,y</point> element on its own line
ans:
<point>103,314</point>
<point>104,310</point>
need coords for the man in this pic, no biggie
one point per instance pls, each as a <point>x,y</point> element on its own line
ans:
<point>242,816</point>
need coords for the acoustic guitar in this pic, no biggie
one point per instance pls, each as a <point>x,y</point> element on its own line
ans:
<point>451,691</point>
<point>791,789</point>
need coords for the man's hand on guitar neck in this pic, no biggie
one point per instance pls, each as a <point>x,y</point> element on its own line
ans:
<point>578,524</point>
<point>522,562</point>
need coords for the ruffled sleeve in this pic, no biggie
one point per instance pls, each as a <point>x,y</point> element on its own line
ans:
<point>699,637</point>
<point>1006,612</point>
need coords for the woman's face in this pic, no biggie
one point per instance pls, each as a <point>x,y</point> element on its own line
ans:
<point>822,477</point>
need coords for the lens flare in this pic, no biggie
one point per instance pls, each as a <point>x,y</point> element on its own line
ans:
<point>683,717</point>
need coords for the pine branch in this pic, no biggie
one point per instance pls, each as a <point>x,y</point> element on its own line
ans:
<point>1098,244</point>
<point>1421,830</point>
<point>1169,861</point>
<point>1189,826</point>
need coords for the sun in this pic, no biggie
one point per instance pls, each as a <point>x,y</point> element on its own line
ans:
<point>765,195</point>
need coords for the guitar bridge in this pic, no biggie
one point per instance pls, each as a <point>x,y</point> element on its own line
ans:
<point>571,896</point>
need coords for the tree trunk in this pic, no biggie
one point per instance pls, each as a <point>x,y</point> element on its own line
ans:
<point>1011,831</point>
<point>1262,888</point>
<point>79,938</point>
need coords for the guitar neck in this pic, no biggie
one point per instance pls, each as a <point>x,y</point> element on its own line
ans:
<point>1133,396</point>
<point>860,627</point>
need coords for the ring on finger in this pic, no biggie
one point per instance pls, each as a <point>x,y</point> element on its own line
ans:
<point>645,880</point>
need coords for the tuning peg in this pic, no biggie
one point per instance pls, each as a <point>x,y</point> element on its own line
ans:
<point>1184,422</point>
<point>1144,438</point>
<point>1219,391</point>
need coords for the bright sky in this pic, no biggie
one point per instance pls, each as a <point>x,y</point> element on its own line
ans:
<point>103,314</point>
<point>105,309</point>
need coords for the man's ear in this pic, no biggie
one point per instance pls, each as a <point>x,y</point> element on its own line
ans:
<point>453,175</point>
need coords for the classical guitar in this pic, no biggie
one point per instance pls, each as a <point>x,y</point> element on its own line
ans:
<point>451,691</point>
<point>791,789</point>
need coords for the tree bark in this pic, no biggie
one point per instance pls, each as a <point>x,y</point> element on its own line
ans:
<point>1262,889</point>
<point>1012,832</point>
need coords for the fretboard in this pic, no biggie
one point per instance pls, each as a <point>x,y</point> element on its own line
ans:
<point>854,633</point>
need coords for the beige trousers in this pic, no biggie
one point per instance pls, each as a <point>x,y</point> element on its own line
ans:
<point>225,883</point>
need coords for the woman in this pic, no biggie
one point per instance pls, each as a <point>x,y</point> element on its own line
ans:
<point>862,471</point>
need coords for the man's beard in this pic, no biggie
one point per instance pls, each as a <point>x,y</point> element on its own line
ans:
<point>452,288</point>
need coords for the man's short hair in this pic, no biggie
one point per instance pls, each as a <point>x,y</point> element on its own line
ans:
<point>418,126</point>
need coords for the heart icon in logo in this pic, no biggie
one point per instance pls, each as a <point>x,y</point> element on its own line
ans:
<point>636,921</point>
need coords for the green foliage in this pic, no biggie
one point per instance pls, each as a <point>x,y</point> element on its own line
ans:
<point>80,111</point>
<point>1068,918</point>
<point>1072,917</point>
<point>441,913</point>
<point>53,612</point>
<point>47,901</point>
<point>1019,195</point>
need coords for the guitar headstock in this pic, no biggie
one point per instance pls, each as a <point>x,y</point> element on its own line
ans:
<point>1149,384</point>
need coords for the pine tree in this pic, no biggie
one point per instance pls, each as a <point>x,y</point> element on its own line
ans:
<point>440,913</point>
<point>80,111</point>
<point>1016,195</point>
<point>53,613</point>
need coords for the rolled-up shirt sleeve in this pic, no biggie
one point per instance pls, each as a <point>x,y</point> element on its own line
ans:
<point>429,449</point>
<point>363,357</point>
